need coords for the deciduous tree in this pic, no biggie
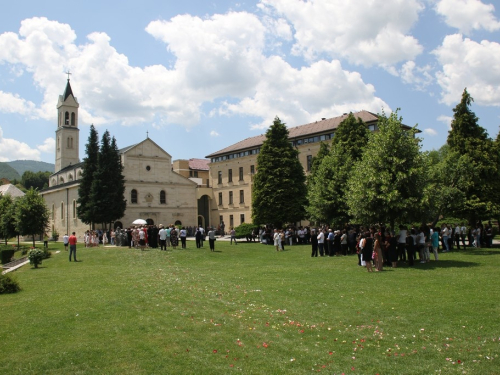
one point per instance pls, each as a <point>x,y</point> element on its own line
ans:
<point>32,216</point>
<point>387,182</point>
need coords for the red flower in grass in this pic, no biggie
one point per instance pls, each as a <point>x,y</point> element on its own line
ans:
<point>330,353</point>
<point>459,361</point>
<point>215,351</point>
<point>264,345</point>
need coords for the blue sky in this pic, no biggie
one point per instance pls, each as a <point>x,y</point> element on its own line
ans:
<point>200,75</point>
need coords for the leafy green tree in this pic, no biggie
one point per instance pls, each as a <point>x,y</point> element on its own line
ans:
<point>32,216</point>
<point>85,209</point>
<point>118,203</point>
<point>327,184</point>
<point>386,185</point>
<point>279,190</point>
<point>37,180</point>
<point>7,217</point>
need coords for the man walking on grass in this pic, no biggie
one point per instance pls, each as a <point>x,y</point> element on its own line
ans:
<point>72,246</point>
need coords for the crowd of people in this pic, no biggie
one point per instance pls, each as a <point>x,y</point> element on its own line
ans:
<point>377,247</point>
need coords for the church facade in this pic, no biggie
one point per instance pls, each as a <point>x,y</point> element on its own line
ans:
<point>154,192</point>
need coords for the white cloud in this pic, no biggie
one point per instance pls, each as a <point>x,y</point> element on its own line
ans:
<point>446,120</point>
<point>366,33</point>
<point>12,103</point>
<point>300,96</point>
<point>419,77</point>
<point>217,57</point>
<point>10,149</point>
<point>466,63</point>
<point>430,131</point>
<point>213,133</point>
<point>48,146</point>
<point>468,15</point>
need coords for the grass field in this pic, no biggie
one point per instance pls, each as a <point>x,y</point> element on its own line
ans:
<point>248,309</point>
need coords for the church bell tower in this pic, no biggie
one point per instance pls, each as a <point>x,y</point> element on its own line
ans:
<point>67,139</point>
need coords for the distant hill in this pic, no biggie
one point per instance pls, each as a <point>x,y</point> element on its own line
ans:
<point>6,171</point>
<point>22,166</point>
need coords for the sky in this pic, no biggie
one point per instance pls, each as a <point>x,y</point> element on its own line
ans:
<point>197,76</point>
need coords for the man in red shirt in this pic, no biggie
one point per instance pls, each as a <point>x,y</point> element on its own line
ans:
<point>72,246</point>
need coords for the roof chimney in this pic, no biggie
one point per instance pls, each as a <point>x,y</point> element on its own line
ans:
<point>323,118</point>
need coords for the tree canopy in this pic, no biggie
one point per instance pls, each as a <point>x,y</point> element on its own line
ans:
<point>327,184</point>
<point>32,216</point>
<point>37,180</point>
<point>387,183</point>
<point>279,190</point>
<point>85,209</point>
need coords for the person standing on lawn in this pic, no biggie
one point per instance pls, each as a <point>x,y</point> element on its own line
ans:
<point>72,246</point>
<point>211,239</point>
<point>233,236</point>
<point>66,241</point>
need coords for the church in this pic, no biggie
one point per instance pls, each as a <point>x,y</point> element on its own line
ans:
<point>153,190</point>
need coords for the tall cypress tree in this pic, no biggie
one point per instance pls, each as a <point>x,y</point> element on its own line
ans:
<point>279,189</point>
<point>102,185</point>
<point>476,165</point>
<point>84,208</point>
<point>117,202</point>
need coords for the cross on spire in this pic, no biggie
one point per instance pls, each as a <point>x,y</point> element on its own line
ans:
<point>68,73</point>
<point>147,134</point>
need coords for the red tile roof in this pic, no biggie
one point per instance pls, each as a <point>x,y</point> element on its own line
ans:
<point>199,164</point>
<point>316,127</point>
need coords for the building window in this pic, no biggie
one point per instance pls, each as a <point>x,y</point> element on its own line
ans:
<point>220,177</point>
<point>74,209</point>
<point>208,182</point>
<point>133,196</point>
<point>62,210</point>
<point>73,118</point>
<point>196,174</point>
<point>252,169</point>
<point>163,197</point>
<point>66,118</point>
<point>242,218</point>
<point>241,173</point>
<point>190,173</point>
<point>230,197</point>
<point>242,196</point>
<point>231,221</point>
<point>220,199</point>
<point>309,162</point>
<point>230,175</point>
<point>53,211</point>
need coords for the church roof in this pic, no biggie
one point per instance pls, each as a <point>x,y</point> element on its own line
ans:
<point>67,92</point>
<point>11,190</point>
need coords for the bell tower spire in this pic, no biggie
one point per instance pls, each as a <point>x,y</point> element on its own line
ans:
<point>67,132</point>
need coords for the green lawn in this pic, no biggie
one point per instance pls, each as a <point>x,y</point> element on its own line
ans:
<point>248,309</point>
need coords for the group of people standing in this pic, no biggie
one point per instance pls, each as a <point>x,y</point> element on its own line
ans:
<point>379,246</point>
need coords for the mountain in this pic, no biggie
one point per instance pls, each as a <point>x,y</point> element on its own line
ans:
<point>6,171</point>
<point>22,166</point>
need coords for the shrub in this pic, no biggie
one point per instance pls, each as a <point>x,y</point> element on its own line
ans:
<point>244,230</point>
<point>8,285</point>
<point>46,253</point>
<point>7,255</point>
<point>35,256</point>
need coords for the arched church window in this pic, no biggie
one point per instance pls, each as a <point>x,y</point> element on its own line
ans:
<point>163,197</point>
<point>58,142</point>
<point>70,177</point>
<point>66,118</point>
<point>73,119</point>
<point>62,210</point>
<point>74,209</point>
<point>133,196</point>
<point>53,211</point>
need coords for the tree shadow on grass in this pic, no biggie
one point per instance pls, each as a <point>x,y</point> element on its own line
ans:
<point>443,263</point>
<point>481,251</point>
